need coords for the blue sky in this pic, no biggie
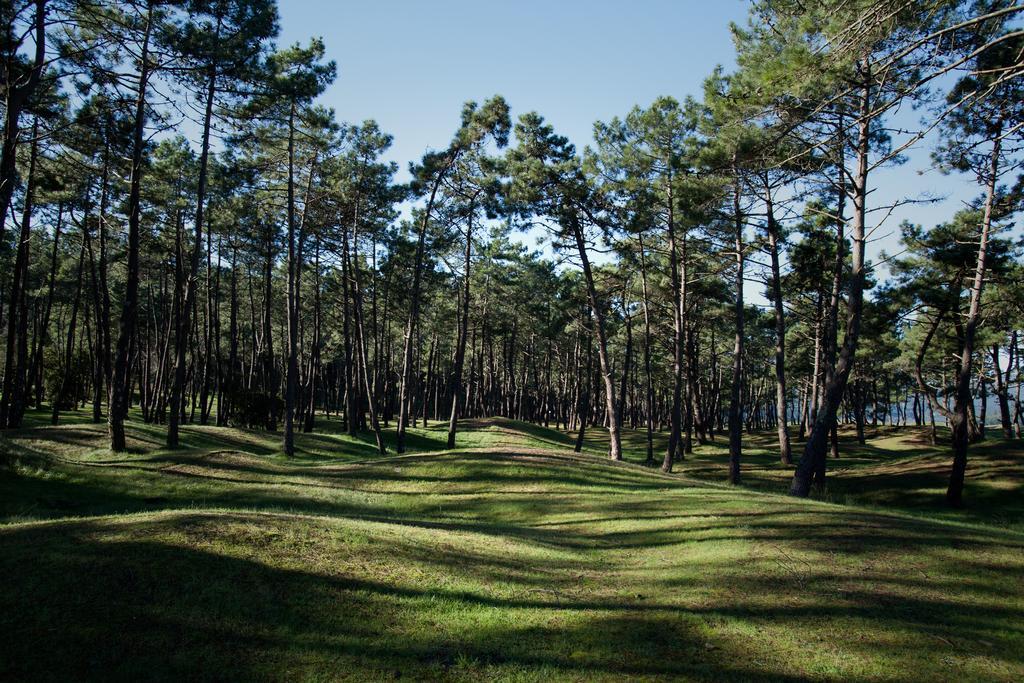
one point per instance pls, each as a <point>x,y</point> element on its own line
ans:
<point>411,64</point>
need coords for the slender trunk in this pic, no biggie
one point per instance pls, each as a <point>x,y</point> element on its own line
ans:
<point>12,399</point>
<point>291,380</point>
<point>404,395</point>
<point>357,308</point>
<point>628,359</point>
<point>615,441</point>
<point>1001,387</point>
<point>781,416</point>
<point>583,400</point>
<point>460,352</point>
<point>232,382</point>
<point>735,408</point>
<point>817,442</point>
<point>120,382</point>
<point>647,355</point>
<point>35,376</point>
<point>65,380</point>
<point>181,331</point>
<point>675,416</point>
<point>18,96</point>
<point>314,356</point>
<point>959,420</point>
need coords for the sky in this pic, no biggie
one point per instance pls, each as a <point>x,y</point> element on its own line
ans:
<point>410,65</point>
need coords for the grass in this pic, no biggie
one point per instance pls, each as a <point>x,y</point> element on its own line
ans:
<point>511,558</point>
<point>897,469</point>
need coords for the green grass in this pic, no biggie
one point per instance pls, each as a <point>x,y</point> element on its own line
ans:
<point>511,558</point>
<point>897,469</point>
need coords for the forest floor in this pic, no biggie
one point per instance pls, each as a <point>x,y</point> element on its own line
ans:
<point>509,558</point>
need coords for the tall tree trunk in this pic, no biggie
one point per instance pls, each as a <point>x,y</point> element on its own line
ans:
<point>357,308</point>
<point>291,379</point>
<point>234,374</point>
<point>270,376</point>
<point>35,376</point>
<point>817,442</point>
<point>404,395</point>
<point>181,331</point>
<point>12,399</point>
<point>735,407</point>
<point>963,400</point>
<point>649,392</point>
<point>120,383</point>
<point>615,440</point>
<point>1002,383</point>
<point>583,398</point>
<point>460,351</point>
<point>314,355</point>
<point>675,415</point>
<point>627,359</point>
<point>103,322</point>
<point>18,96</point>
<point>65,379</point>
<point>781,415</point>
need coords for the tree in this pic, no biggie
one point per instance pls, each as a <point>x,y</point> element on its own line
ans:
<point>840,67</point>
<point>548,179</point>
<point>19,80</point>
<point>982,136</point>
<point>296,77</point>
<point>648,160</point>
<point>139,22</point>
<point>221,45</point>
<point>478,125</point>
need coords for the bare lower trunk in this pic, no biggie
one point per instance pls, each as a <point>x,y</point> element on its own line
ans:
<point>735,408</point>
<point>1002,390</point>
<point>460,352</point>
<point>181,331</point>
<point>781,416</point>
<point>614,438</point>
<point>120,383</point>
<point>813,456</point>
<point>357,301</point>
<point>959,421</point>
<point>649,409</point>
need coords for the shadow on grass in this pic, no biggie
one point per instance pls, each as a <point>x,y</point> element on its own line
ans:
<point>197,596</point>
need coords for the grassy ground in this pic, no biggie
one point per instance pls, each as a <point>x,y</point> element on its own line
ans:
<point>898,468</point>
<point>511,558</point>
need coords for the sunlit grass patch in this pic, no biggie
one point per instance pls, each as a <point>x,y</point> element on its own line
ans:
<point>510,558</point>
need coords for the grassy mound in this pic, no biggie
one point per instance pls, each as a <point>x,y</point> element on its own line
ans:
<point>511,558</point>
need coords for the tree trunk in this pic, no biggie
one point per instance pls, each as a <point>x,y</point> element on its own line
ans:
<point>181,332</point>
<point>958,422</point>
<point>814,450</point>
<point>120,384</point>
<point>65,380</point>
<point>735,409</point>
<point>291,378</point>
<point>460,351</point>
<point>615,441</point>
<point>675,416</point>
<point>404,395</point>
<point>357,308</point>
<point>1002,394</point>
<point>12,400</point>
<point>35,376</point>
<point>18,96</point>
<point>649,392</point>
<point>782,418</point>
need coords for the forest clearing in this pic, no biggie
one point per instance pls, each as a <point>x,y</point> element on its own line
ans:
<point>510,557</point>
<point>531,341</point>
